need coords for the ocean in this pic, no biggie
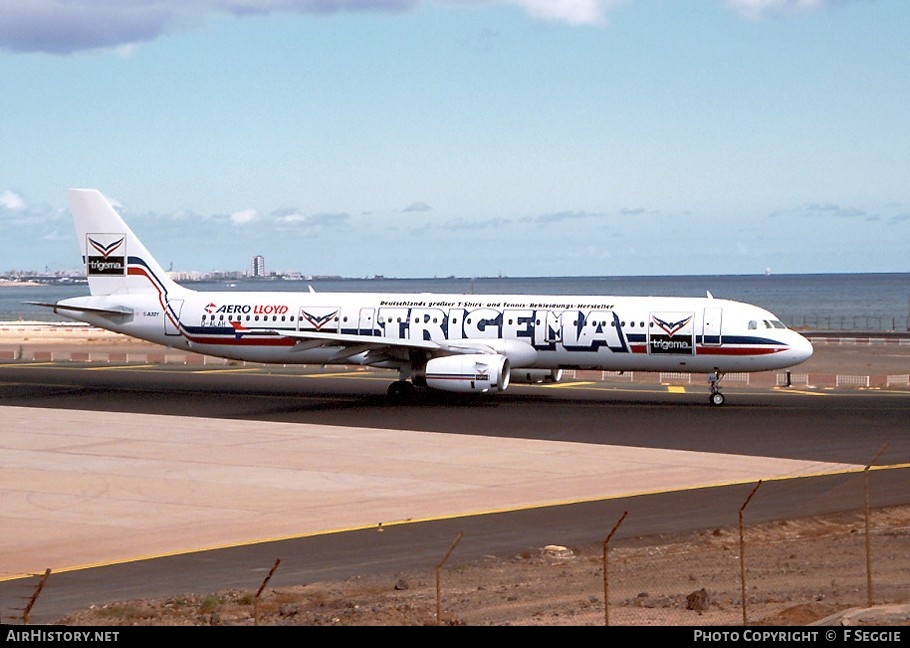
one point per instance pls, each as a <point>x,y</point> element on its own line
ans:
<point>848,302</point>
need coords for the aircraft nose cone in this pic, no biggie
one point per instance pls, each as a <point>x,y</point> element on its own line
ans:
<point>800,349</point>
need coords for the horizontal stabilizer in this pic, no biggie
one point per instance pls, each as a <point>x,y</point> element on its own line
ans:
<point>117,310</point>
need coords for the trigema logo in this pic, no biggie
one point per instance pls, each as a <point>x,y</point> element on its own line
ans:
<point>106,255</point>
<point>671,333</point>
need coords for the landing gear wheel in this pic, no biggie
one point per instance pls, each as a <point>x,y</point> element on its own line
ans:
<point>714,378</point>
<point>401,391</point>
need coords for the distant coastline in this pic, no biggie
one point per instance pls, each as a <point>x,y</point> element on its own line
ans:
<point>32,280</point>
<point>20,284</point>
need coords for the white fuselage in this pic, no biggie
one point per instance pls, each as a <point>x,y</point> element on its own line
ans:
<point>600,332</point>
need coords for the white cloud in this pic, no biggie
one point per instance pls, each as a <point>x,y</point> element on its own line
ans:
<point>12,201</point>
<point>573,12</point>
<point>758,9</point>
<point>294,218</point>
<point>417,207</point>
<point>65,26</point>
<point>244,217</point>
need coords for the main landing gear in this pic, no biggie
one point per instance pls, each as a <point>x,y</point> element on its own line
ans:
<point>716,397</point>
<point>401,391</point>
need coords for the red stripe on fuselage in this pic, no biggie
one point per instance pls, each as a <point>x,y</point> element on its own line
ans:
<point>245,340</point>
<point>737,351</point>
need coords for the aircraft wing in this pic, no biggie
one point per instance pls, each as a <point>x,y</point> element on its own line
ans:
<point>311,339</point>
<point>520,353</point>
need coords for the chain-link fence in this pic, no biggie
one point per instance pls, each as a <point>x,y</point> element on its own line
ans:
<point>824,322</point>
<point>792,573</point>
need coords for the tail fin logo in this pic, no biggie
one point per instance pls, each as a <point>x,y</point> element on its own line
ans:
<point>110,255</point>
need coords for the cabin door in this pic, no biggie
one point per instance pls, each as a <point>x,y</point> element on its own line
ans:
<point>365,323</point>
<point>710,326</point>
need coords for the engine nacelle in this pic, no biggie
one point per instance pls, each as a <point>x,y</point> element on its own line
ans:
<point>472,372</point>
<point>535,376</point>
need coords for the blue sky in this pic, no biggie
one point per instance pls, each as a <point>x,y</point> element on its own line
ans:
<point>419,138</point>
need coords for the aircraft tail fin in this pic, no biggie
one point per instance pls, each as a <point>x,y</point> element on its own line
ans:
<point>115,260</point>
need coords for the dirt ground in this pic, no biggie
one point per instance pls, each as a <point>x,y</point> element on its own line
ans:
<point>797,572</point>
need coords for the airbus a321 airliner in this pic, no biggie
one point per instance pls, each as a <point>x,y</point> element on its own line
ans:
<point>449,342</point>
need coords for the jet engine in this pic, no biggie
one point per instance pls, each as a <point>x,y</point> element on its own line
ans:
<point>471,372</point>
<point>535,376</point>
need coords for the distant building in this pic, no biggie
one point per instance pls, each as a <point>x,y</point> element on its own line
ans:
<point>258,266</point>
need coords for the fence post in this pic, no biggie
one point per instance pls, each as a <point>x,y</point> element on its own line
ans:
<point>259,592</point>
<point>438,568</point>
<point>742,550</point>
<point>26,613</point>
<point>606,587</point>
<point>868,536</point>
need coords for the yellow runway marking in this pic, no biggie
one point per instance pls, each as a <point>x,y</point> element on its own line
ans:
<point>115,367</point>
<point>344,374</point>
<point>565,385</point>
<point>676,389</point>
<point>30,364</point>
<point>217,371</point>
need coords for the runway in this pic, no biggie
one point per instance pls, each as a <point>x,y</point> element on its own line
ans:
<point>134,467</point>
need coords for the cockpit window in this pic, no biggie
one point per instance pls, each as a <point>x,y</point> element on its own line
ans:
<point>753,325</point>
<point>778,324</point>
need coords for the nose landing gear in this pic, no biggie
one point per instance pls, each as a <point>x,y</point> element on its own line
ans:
<point>714,379</point>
